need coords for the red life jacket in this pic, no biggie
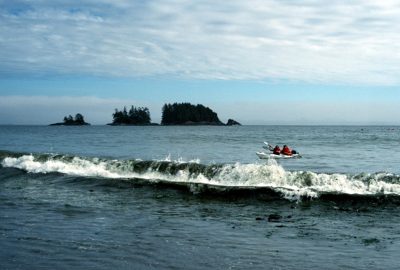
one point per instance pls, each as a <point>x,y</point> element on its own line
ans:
<point>277,150</point>
<point>286,151</point>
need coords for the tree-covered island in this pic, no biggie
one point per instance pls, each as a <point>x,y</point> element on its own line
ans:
<point>188,114</point>
<point>135,116</point>
<point>78,120</point>
<point>172,114</point>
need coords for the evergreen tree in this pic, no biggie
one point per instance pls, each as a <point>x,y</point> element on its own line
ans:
<point>79,119</point>
<point>135,116</point>
<point>70,120</point>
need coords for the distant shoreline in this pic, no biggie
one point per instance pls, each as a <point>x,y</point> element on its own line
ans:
<point>266,125</point>
<point>72,124</point>
<point>172,124</point>
<point>122,124</point>
<point>176,114</point>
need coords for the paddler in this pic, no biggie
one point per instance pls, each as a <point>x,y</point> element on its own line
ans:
<point>286,151</point>
<point>276,150</point>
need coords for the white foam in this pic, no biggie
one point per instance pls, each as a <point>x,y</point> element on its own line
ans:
<point>77,166</point>
<point>292,185</point>
<point>180,160</point>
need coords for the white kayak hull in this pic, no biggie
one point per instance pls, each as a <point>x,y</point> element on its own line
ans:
<point>263,155</point>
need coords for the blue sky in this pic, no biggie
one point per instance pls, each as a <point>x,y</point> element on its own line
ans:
<point>259,62</point>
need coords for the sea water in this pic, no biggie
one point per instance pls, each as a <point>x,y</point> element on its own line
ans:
<point>197,197</point>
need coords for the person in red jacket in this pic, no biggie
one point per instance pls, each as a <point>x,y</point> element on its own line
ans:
<point>276,150</point>
<point>286,151</point>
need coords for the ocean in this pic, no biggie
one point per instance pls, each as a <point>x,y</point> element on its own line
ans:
<point>198,197</point>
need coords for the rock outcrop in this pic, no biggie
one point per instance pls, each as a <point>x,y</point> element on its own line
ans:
<point>232,122</point>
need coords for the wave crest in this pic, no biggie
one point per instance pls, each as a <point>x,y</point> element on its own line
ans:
<point>292,185</point>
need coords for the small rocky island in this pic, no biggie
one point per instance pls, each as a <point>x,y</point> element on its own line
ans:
<point>71,121</point>
<point>134,117</point>
<point>232,122</point>
<point>188,114</point>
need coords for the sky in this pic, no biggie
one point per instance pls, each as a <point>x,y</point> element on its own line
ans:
<point>257,61</point>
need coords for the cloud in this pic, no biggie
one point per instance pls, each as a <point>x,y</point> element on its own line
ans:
<point>311,41</point>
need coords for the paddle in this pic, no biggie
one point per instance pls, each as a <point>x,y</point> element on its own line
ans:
<point>268,146</point>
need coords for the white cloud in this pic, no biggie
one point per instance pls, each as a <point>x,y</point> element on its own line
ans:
<point>352,42</point>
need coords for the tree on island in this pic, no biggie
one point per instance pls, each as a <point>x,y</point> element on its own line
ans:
<point>186,113</point>
<point>135,116</point>
<point>78,120</point>
<point>68,120</point>
<point>71,121</point>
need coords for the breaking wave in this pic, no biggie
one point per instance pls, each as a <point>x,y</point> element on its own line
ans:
<point>198,178</point>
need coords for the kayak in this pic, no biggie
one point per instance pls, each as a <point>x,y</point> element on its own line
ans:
<point>263,155</point>
<point>269,147</point>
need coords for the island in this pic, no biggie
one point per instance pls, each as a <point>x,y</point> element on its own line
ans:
<point>133,117</point>
<point>188,114</point>
<point>232,122</point>
<point>70,121</point>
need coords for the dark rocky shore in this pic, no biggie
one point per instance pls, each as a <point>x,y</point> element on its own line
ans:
<point>70,124</point>
<point>232,122</point>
